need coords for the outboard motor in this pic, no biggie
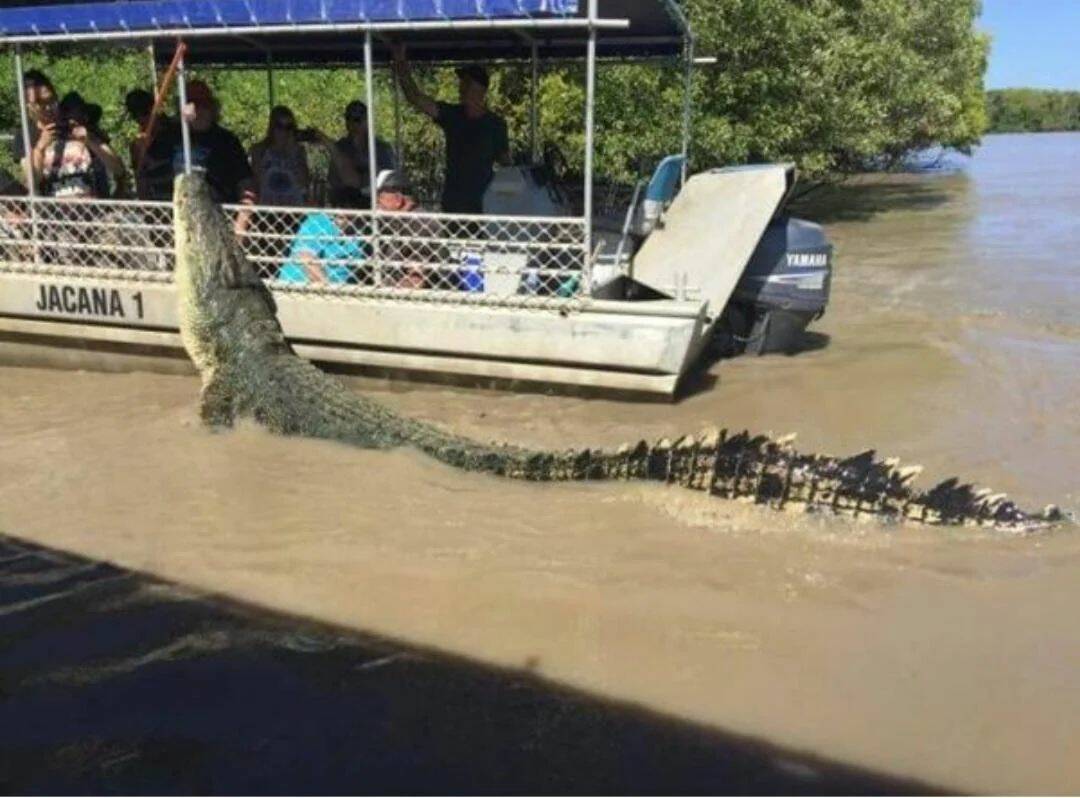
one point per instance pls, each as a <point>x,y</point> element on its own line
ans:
<point>785,286</point>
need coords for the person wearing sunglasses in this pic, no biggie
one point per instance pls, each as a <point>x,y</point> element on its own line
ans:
<point>280,163</point>
<point>348,177</point>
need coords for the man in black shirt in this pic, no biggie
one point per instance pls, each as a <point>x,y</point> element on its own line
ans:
<point>153,177</point>
<point>214,150</point>
<point>476,138</point>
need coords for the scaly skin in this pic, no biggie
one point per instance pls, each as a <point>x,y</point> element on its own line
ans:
<point>229,327</point>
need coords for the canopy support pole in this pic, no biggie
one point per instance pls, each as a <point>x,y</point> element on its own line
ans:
<point>152,55</point>
<point>369,89</point>
<point>590,102</point>
<point>24,125</point>
<point>185,129</point>
<point>688,86</point>
<point>399,155</point>
<point>534,112</point>
<point>270,78</point>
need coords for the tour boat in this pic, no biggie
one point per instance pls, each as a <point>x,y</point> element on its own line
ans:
<point>552,284</point>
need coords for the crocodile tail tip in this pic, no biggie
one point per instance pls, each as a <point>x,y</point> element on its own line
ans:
<point>1052,512</point>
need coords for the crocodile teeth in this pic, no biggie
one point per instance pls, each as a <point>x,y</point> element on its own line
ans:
<point>908,473</point>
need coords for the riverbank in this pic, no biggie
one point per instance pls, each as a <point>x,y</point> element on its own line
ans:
<point>1024,110</point>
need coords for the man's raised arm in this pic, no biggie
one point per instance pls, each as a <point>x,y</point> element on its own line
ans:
<point>417,99</point>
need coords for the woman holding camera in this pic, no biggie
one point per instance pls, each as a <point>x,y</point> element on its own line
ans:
<point>67,159</point>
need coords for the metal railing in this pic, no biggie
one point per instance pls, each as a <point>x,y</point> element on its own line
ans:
<point>445,258</point>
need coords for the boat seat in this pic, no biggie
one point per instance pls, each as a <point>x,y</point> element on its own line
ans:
<point>644,216</point>
<point>660,191</point>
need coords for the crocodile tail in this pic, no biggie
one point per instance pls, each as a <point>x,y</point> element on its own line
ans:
<point>757,468</point>
<point>768,470</point>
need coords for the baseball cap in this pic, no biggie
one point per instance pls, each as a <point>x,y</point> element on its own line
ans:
<point>199,92</point>
<point>474,72</point>
<point>391,180</point>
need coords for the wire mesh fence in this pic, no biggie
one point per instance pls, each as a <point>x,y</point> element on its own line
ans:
<point>408,255</point>
<point>126,240</point>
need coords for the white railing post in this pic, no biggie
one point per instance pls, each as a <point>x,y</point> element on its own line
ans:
<point>534,90</point>
<point>185,130</point>
<point>153,68</point>
<point>399,155</point>
<point>590,102</point>
<point>688,87</point>
<point>269,77</point>
<point>28,150</point>
<point>372,164</point>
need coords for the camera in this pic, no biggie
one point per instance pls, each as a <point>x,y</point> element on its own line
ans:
<point>307,135</point>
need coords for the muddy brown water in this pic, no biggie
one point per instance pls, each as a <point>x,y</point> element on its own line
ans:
<point>951,656</point>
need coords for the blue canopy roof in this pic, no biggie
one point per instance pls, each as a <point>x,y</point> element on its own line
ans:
<point>313,31</point>
<point>152,16</point>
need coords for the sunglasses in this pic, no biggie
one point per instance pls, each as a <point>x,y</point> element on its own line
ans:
<point>285,126</point>
<point>356,119</point>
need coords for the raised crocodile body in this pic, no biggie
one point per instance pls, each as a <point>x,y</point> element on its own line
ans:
<point>230,329</point>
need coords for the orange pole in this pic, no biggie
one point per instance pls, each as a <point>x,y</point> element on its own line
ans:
<point>160,94</point>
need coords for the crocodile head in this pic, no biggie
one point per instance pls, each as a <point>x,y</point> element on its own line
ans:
<point>225,309</point>
<point>202,245</point>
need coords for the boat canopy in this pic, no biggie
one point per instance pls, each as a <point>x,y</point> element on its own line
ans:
<point>325,31</point>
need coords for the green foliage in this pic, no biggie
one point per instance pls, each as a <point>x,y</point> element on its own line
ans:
<point>839,85</point>
<point>835,86</point>
<point>1033,110</point>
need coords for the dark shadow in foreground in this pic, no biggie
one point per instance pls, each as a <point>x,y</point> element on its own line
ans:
<point>115,682</point>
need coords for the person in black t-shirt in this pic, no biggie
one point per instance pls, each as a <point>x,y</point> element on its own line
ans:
<point>214,150</point>
<point>476,138</point>
<point>153,177</point>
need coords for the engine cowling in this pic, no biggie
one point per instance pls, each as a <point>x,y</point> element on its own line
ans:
<point>784,287</point>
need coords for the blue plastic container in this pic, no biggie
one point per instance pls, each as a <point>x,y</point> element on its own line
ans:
<point>471,273</point>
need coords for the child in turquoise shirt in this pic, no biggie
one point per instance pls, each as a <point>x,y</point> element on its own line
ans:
<point>318,240</point>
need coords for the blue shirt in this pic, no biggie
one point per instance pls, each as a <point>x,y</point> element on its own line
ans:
<point>320,236</point>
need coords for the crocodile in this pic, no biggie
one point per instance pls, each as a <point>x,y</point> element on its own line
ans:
<point>230,329</point>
